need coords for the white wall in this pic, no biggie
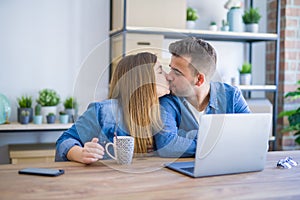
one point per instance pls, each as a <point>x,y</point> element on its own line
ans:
<point>57,44</point>
<point>232,55</point>
<point>44,44</point>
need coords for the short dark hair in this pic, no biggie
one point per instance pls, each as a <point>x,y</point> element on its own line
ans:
<point>203,55</point>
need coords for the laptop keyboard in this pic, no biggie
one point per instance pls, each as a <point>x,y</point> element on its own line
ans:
<point>188,169</point>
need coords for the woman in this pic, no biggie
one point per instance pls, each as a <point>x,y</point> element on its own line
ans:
<point>132,109</point>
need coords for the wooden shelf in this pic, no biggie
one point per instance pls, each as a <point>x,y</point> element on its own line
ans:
<point>15,126</point>
<point>204,34</point>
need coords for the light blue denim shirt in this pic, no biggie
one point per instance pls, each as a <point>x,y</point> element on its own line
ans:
<point>179,136</point>
<point>99,121</point>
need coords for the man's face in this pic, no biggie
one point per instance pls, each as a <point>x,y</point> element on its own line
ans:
<point>181,77</point>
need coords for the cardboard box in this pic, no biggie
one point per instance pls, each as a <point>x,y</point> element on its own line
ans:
<point>150,13</point>
<point>31,153</point>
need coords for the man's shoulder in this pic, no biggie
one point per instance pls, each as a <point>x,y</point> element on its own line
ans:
<point>217,86</point>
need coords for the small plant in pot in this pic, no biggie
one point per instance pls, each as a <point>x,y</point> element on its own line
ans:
<point>245,74</point>
<point>251,18</point>
<point>213,26</point>
<point>63,117</point>
<point>71,108</point>
<point>25,103</point>
<point>24,117</point>
<point>191,17</point>
<point>51,118</point>
<point>38,118</point>
<point>293,115</point>
<point>225,25</point>
<point>48,99</point>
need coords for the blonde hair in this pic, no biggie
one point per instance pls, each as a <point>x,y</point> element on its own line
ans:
<point>133,84</point>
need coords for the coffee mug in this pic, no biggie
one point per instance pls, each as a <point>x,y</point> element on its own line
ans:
<point>123,148</point>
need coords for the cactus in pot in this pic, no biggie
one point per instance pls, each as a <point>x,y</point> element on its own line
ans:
<point>38,118</point>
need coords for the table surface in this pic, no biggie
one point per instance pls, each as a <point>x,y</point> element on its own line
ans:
<point>147,179</point>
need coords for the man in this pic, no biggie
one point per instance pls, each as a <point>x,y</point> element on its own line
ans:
<point>193,63</point>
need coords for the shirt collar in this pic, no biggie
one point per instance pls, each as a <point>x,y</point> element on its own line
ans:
<point>216,99</point>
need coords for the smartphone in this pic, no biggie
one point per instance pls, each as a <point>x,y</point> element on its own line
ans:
<point>42,171</point>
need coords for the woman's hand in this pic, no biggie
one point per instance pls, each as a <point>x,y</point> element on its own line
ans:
<point>90,153</point>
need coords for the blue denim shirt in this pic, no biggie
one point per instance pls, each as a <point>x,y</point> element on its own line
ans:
<point>179,136</point>
<point>99,121</point>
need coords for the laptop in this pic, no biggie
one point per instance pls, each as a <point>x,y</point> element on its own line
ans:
<point>228,144</point>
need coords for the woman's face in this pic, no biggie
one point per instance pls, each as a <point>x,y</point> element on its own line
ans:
<point>162,85</point>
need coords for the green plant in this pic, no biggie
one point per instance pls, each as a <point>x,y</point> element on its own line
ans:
<point>62,113</point>
<point>213,23</point>
<point>51,114</point>
<point>25,102</point>
<point>293,115</point>
<point>25,113</point>
<point>191,14</point>
<point>251,16</point>
<point>48,97</point>
<point>70,103</point>
<point>246,68</point>
<point>225,23</point>
<point>37,109</point>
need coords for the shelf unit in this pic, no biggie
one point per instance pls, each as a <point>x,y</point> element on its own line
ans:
<point>17,127</point>
<point>241,37</point>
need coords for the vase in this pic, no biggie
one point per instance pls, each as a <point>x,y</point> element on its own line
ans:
<point>235,20</point>
<point>225,28</point>
<point>213,27</point>
<point>37,119</point>
<point>24,119</point>
<point>190,24</point>
<point>30,110</point>
<point>46,110</point>
<point>245,79</point>
<point>63,119</point>
<point>50,119</point>
<point>251,28</point>
<point>72,114</point>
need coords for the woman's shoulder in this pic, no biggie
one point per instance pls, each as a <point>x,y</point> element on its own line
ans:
<point>170,101</point>
<point>168,98</point>
<point>108,103</point>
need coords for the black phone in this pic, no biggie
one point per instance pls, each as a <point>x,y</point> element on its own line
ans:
<point>42,171</point>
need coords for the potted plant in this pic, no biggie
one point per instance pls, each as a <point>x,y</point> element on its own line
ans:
<point>25,103</point>
<point>213,26</point>
<point>63,117</point>
<point>24,117</point>
<point>51,118</point>
<point>293,116</point>
<point>191,17</point>
<point>38,118</point>
<point>251,18</point>
<point>245,74</point>
<point>48,99</point>
<point>225,25</point>
<point>71,108</point>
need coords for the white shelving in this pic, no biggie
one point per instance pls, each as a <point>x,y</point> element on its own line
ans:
<point>241,37</point>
